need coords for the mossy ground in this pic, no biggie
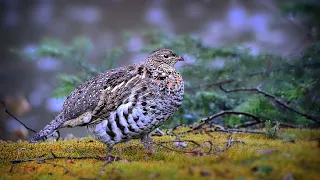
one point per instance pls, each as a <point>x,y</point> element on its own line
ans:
<point>259,158</point>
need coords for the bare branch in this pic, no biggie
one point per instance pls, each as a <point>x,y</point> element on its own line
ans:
<point>247,124</point>
<point>209,85</point>
<point>208,119</point>
<point>230,142</point>
<point>274,98</point>
<point>170,132</point>
<point>240,131</point>
<point>191,141</point>
<point>7,111</point>
<point>213,149</point>
<point>283,124</point>
<point>55,157</point>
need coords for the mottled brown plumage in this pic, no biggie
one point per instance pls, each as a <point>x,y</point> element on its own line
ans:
<point>124,103</point>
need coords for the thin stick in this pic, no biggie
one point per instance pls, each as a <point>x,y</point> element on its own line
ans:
<point>208,119</point>
<point>7,111</point>
<point>247,124</point>
<point>277,100</point>
<point>56,157</point>
<point>240,131</point>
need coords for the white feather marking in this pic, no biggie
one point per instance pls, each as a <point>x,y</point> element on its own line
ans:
<point>120,111</point>
<point>135,113</point>
<point>87,117</point>
<point>140,124</point>
<point>100,131</point>
<point>117,86</point>
<point>130,119</point>
<point>133,124</point>
<point>131,80</point>
<point>114,127</point>
<point>144,74</point>
<point>102,98</point>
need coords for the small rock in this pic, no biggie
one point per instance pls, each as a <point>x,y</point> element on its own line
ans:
<point>288,176</point>
<point>205,172</point>
<point>124,160</point>
<point>305,164</point>
<point>21,149</point>
<point>69,137</point>
<point>266,151</point>
<point>102,171</point>
<point>157,132</point>
<point>154,175</point>
<point>70,161</point>
<point>192,170</point>
<point>116,170</point>
<point>180,144</point>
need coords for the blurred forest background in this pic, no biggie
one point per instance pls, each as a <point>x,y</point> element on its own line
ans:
<point>254,56</point>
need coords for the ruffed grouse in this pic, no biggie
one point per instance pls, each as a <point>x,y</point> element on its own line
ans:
<point>124,103</point>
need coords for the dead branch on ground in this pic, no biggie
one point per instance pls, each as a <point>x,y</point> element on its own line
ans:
<point>54,156</point>
<point>205,121</point>
<point>213,149</point>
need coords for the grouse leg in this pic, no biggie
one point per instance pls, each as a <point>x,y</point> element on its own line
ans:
<point>146,140</point>
<point>109,157</point>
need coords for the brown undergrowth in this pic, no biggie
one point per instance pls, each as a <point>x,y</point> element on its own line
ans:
<point>295,154</point>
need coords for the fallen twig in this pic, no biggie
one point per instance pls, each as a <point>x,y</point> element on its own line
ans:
<point>230,141</point>
<point>240,131</point>
<point>247,124</point>
<point>170,132</point>
<point>54,156</point>
<point>213,149</point>
<point>208,119</point>
<point>7,111</point>
<point>11,168</point>
<point>191,141</point>
<point>219,128</point>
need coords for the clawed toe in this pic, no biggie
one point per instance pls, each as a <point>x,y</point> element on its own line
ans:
<point>110,158</point>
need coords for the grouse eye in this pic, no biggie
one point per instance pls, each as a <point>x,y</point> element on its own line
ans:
<point>166,56</point>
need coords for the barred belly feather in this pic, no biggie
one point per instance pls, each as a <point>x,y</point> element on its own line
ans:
<point>122,126</point>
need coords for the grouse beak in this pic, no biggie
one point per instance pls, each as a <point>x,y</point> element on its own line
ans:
<point>180,58</point>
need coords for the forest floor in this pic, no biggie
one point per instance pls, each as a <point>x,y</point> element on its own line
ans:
<point>295,155</point>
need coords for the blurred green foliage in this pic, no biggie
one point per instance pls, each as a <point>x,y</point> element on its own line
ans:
<point>271,131</point>
<point>295,80</point>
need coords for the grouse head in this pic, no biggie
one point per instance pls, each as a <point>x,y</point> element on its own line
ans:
<point>164,57</point>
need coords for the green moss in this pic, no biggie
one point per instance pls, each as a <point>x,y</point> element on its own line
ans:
<point>260,157</point>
